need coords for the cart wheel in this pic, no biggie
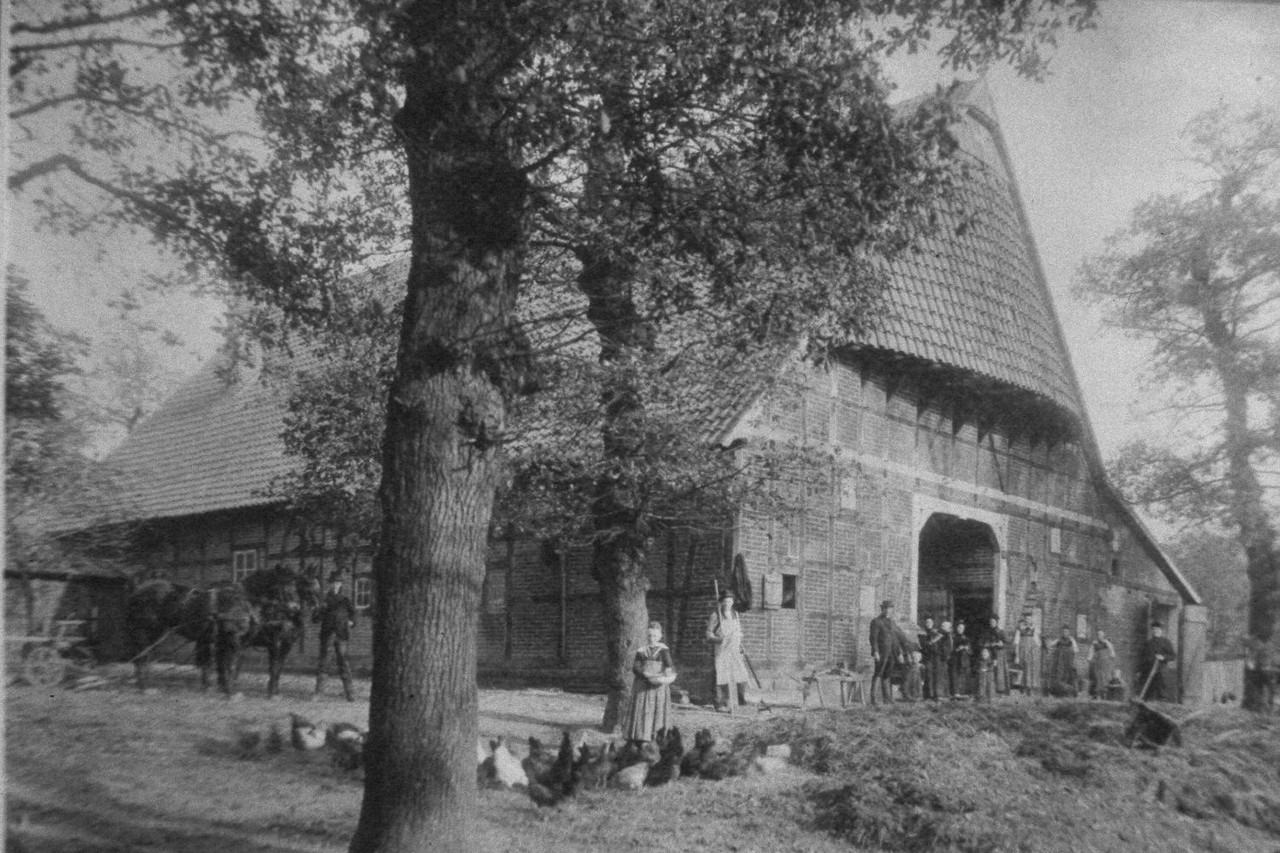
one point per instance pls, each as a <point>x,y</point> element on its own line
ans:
<point>43,667</point>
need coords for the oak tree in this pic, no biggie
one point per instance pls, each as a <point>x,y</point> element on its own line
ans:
<point>1196,275</point>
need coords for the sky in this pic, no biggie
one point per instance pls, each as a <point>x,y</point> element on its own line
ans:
<point>1087,144</point>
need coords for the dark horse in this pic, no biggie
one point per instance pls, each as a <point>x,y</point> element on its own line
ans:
<point>265,610</point>
<point>280,598</point>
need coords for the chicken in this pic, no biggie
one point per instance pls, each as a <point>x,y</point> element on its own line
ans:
<point>595,765</point>
<point>724,766</point>
<point>630,778</point>
<point>635,759</point>
<point>671,751</point>
<point>342,731</point>
<point>704,744</point>
<point>506,769</point>
<point>304,734</point>
<point>637,752</point>
<point>347,743</point>
<point>559,781</point>
<point>537,763</point>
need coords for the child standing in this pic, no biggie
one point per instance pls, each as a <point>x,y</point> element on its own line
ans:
<point>986,676</point>
<point>651,693</point>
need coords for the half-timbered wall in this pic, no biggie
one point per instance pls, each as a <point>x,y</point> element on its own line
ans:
<point>1058,547</point>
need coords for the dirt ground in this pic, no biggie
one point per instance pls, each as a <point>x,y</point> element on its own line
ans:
<point>112,770</point>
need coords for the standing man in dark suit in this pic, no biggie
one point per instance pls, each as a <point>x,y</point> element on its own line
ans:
<point>1157,654</point>
<point>886,651</point>
<point>337,616</point>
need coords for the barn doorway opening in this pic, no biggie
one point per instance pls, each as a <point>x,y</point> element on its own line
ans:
<point>957,571</point>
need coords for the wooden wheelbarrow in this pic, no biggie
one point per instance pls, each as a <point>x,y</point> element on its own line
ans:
<point>1152,728</point>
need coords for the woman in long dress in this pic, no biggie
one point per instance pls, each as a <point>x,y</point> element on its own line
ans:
<point>1062,664</point>
<point>1102,663</point>
<point>994,641</point>
<point>1028,655</point>
<point>651,692</point>
<point>724,629</point>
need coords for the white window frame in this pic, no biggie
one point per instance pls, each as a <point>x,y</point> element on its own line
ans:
<point>362,591</point>
<point>1055,540</point>
<point>243,563</point>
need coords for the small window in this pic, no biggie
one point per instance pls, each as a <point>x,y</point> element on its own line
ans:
<point>1115,567</point>
<point>243,564</point>
<point>364,591</point>
<point>1055,540</point>
<point>788,592</point>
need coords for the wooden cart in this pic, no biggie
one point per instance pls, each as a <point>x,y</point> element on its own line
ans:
<point>40,659</point>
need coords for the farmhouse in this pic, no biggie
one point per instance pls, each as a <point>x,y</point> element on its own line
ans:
<point>972,485</point>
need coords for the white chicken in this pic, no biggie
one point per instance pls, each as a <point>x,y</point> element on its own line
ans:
<point>506,767</point>
<point>304,734</point>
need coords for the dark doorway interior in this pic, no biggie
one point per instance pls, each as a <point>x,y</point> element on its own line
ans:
<point>957,570</point>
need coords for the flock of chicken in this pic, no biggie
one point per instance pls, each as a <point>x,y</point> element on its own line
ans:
<point>550,779</point>
<point>345,741</point>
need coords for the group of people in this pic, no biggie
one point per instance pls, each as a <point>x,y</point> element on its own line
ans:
<point>947,661</point>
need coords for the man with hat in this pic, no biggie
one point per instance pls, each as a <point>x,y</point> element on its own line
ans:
<point>337,616</point>
<point>1157,654</point>
<point>724,629</point>
<point>886,651</point>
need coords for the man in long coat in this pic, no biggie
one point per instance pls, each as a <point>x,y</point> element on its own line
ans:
<point>336,616</point>
<point>1157,654</point>
<point>886,651</point>
<point>724,630</point>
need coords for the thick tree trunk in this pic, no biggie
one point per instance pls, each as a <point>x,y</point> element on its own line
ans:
<point>619,509</point>
<point>456,364</point>
<point>623,586</point>
<point>1247,506</point>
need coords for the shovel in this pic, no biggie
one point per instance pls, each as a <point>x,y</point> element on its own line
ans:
<point>1146,685</point>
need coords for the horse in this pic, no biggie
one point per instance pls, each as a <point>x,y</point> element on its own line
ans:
<point>207,617</point>
<point>264,610</point>
<point>280,598</point>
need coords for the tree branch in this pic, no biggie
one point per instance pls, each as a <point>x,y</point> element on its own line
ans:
<point>92,20</point>
<point>39,169</point>
<point>137,200</point>
<point>112,41</point>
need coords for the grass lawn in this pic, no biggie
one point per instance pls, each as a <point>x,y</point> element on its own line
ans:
<point>110,769</point>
